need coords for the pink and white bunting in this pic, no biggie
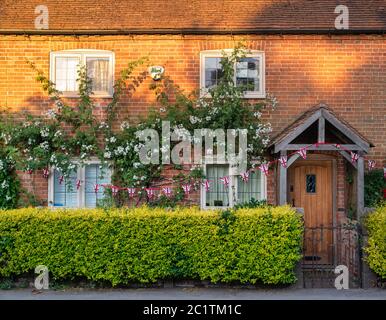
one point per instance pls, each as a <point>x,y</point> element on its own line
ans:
<point>354,157</point>
<point>264,168</point>
<point>114,190</point>
<point>371,164</point>
<point>167,191</point>
<point>303,153</point>
<point>245,176</point>
<point>78,184</point>
<point>61,179</point>
<point>150,193</point>
<point>206,185</point>
<point>187,188</point>
<point>96,188</point>
<point>131,192</point>
<point>46,173</point>
<point>283,161</point>
<point>225,181</point>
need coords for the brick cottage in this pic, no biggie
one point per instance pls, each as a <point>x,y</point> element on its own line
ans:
<point>330,84</point>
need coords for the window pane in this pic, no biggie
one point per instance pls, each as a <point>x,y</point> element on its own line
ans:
<point>66,73</point>
<point>218,195</point>
<point>311,183</point>
<point>95,175</point>
<point>247,74</point>
<point>65,193</point>
<point>251,189</point>
<point>213,71</point>
<point>98,71</point>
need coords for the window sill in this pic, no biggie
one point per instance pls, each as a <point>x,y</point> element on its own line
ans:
<point>248,95</point>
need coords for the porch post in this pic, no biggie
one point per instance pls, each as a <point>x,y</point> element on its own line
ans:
<point>283,182</point>
<point>360,185</point>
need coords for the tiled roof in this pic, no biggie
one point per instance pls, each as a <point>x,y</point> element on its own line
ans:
<point>305,116</point>
<point>192,15</point>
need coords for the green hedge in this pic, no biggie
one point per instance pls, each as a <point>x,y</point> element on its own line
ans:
<point>376,249</point>
<point>148,244</point>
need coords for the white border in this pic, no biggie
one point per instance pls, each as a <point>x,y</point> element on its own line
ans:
<point>218,54</point>
<point>83,54</point>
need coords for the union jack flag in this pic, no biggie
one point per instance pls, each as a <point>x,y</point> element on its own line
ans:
<point>167,191</point>
<point>245,176</point>
<point>371,164</point>
<point>150,193</point>
<point>187,188</point>
<point>303,153</point>
<point>283,161</point>
<point>114,190</point>
<point>46,173</point>
<point>354,157</point>
<point>264,168</point>
<point>206,185</point>
<point>131,192</point>
<point>225,181</point>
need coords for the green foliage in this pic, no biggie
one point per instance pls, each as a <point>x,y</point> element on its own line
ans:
<point>376,249</point>
<point>9,182</point>
<point>253,203</point>
<point>375,183</point>
<point>147,244</point>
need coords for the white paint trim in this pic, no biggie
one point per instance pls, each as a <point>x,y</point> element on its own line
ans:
<point>261,94</point>
<point>232,184</point>
<point>80,175</point>
<point>83,54</point>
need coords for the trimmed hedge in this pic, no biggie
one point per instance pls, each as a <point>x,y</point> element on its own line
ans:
<point>149,244</point>
<point>376,248</point>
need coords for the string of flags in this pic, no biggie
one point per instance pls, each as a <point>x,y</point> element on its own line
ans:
<point>187,188</point>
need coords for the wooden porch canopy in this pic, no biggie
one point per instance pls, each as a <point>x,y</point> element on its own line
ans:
<point>321,125</point>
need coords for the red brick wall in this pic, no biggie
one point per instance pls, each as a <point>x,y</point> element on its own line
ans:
<point>348,73</point>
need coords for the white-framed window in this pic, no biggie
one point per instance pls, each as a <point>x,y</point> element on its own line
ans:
<point>249,72</point>
<point>100,68</point>
<point>65,193</point>
<point>238,191</point>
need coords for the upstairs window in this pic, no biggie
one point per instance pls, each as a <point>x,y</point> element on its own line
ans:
<point>100,66</point>
<point>249,72</point>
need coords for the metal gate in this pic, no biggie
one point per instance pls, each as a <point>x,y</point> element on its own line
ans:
<point>325,248</point>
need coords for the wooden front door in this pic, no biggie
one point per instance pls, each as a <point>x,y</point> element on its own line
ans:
<point>311,188</point>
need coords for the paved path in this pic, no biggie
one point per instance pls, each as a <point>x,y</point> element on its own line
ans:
<point>194,294</point>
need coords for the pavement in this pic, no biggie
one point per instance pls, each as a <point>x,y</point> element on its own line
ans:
<point>194,294</point>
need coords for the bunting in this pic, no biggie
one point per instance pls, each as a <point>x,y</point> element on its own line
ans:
<point>167,191</point>
<point>283,161</point>
<point>46,173</point>
<point>131,192</point>
<point>186,188</point>
<point>303,153</point>
<point>206,185</point>
<point>354,157</point>
<point>150,193</point>
<point>225,181</point>
<point>264,168</point>
<point>245,176</point>
<point>371,164</point>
